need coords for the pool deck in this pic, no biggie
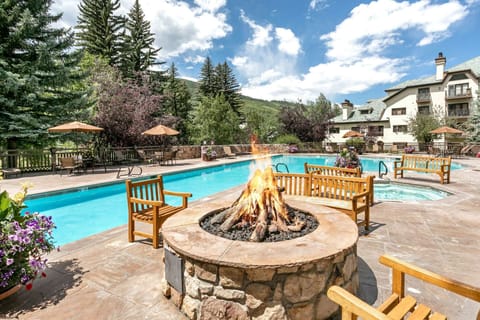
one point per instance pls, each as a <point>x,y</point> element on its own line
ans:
<point>106,277</point>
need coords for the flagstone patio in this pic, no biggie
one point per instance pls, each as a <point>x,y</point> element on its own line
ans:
<point>106,277</point>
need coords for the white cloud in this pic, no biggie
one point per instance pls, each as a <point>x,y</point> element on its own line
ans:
<point>382,23</point>
<point>179,27</point>
<point>194,59</point>
<point>318,4</point>
<point>268,55</point>
<point>288,42</point>
<point>357,50</point>
<point>261,35</point>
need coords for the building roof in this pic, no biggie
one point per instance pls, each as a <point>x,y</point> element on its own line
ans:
<point>473,65</point>
<point>375,110</point>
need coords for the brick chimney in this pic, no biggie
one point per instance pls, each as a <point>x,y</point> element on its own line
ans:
<point>347,107</point>
<point>440,62</point>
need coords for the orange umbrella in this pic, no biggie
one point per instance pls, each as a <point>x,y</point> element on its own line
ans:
<point>75,126</point>
<point>353,134</point>
<point>161,130</point>
<point>446,129</point>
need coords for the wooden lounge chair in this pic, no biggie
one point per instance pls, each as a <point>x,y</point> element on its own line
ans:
<point>69,164</point>
<point>227,150</point>
<point>397,306</point>
<point>146,203</point>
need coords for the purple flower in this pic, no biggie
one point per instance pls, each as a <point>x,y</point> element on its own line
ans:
<point>9,261</point>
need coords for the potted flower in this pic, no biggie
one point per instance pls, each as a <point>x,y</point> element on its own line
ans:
<point>25,238</point>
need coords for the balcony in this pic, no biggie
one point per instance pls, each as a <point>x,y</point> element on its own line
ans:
<point>459,113</point>
<point>424,98</point>
<point>466,94</point>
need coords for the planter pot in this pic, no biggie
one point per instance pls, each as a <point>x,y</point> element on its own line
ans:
<point>8,292</point>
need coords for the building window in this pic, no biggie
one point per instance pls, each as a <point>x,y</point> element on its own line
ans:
<point>458,110</point>
<point>400,128</point>
<point>459,76</point>
<point>459,90</point>
<point>424,110</point>
<point>365,111</point>
<point>355,129</point>
<point>375,131</point>
<point>399,111</point>
<point>334,130</point>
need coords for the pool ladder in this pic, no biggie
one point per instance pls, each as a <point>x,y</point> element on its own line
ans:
<point>380,173</point>
<point>280,164</point>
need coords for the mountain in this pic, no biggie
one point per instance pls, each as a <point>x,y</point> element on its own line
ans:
<point>258,104</point>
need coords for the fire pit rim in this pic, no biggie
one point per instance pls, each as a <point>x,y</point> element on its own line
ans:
<point>182,233</point>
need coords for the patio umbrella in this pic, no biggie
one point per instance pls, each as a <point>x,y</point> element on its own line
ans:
<point>161,130</point>
<point>75,126</point>
<point>353,134</point>
<point>444,130</point>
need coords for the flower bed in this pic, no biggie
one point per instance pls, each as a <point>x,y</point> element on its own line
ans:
<point>24,241</point>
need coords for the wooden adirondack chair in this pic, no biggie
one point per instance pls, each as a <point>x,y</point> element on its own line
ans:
<point>146,203</point>
<point>398,306</point>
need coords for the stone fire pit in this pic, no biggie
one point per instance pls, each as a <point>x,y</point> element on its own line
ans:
<point>226,279</point>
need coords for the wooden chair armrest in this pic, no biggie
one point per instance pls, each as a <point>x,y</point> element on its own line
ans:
<point>176,193</point>
<point>396,163</point>
<point>146,202</point>
<point>457,287</point>
<point>351,305</point>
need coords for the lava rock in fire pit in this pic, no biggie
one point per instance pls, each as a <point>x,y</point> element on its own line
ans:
<point>242,232</point>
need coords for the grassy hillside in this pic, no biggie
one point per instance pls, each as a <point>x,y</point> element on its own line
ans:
<point>258,104</point>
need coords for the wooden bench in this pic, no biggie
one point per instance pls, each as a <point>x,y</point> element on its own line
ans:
<point>350,195</point>
<point>332,171</point>
<point>337,171</point>
<point>146,203</point>
<point>440,166</point>
<point>397,306</point>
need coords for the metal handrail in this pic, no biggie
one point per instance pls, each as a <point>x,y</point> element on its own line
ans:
<point>381,174</point>
<point>281,164</point>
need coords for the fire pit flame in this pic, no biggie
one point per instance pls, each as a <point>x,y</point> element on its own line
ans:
<point>261,206</point>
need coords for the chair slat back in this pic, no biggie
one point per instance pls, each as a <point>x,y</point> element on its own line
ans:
<point>338,187</point>
<point>67,162</point>
<point>151,190</point>
<point>294,183</point>
<point>332,171</point>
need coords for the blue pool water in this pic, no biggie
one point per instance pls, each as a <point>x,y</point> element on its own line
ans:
<point>87,211</point>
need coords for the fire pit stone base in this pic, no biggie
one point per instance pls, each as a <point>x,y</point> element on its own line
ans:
<point>225,279</point>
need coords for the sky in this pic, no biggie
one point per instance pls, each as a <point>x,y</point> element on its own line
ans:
<point>296,50</point>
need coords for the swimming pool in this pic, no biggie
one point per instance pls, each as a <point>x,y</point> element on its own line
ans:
<point>87,211</point>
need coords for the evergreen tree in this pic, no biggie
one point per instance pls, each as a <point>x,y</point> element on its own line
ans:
<point>99,29</point>
<point>207,79</point>
<point>226,84</point>
<point>176,95</point>
<point>176,101</point>
<point>38,73</point>
<point>138,53</point>
<point>473,124</point>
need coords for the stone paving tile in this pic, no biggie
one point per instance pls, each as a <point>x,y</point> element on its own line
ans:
<point>105,277</point>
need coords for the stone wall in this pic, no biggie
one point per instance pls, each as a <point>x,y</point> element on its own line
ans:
<point>214,292</point>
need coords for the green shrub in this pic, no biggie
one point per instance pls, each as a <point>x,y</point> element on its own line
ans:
<point>287,139</point>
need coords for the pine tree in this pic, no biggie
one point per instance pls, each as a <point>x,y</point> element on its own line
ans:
<point>473,124</point>
<point>226,84</point>
<point>138,53</point>
<point>207,79</point>
<point>99,29</point>
<point>38,73</point>
<point>176,95</point>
